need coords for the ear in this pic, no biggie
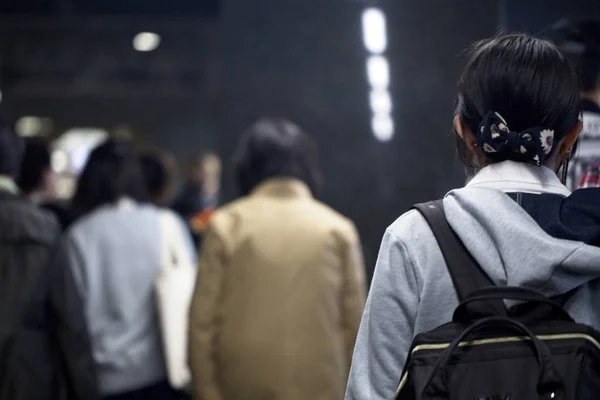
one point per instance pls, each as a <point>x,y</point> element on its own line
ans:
<point>569,141</point>
<point>465,134</point>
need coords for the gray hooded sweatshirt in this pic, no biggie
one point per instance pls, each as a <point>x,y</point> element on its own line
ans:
<point>412,291</point>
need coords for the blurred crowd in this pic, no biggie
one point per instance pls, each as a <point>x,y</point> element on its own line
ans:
<point>280,291</point>
<point>80,277</point>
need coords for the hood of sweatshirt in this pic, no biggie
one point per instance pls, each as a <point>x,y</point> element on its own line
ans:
<point>524,237</point>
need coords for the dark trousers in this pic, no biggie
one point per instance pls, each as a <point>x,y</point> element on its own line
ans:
<point>159,391</point>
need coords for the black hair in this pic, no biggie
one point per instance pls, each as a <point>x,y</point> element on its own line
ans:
<point>35,162</point>
<point>525,79</point>
<point>579,39</point>
<point>275,147</point>
<point>156,175</point>
<point>11,150</point>
<point>113,171</point>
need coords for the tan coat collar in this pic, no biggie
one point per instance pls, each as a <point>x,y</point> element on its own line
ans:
<point>282,187</point>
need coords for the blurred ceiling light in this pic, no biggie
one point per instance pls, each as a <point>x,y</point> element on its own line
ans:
<point>146,41</point>
<point>374,30</point>
<point>383,127</point>
<point>0,96</point>
<point>59,161</point>
<point>28,126</point>
<point>381,101</point>
<point>378,72</point>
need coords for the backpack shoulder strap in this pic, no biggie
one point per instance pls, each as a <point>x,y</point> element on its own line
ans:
<point>465,272</point>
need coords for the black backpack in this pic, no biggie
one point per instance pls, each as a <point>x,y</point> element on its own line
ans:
<point>533,350</point>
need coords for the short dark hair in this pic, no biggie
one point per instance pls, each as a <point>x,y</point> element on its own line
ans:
<point>11,150</point>
<point>579,39</point>
<point>35,162</point>
<point>275,147</point>
<point>156,174</point>
<point>525,79</point>
<point>112,171</point>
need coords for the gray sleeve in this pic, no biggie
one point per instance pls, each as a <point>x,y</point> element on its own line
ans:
<point>66,302</point>
<point>387,325</point>
<point>73,254</point>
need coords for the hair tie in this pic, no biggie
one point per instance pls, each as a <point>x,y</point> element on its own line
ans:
<point>499,143</point>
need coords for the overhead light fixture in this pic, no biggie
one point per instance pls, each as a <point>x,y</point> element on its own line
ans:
<point>383,127</point>
<point>378,72</point>
<point>374,30</point>
<point>146,41</point>
<point>380,101</point>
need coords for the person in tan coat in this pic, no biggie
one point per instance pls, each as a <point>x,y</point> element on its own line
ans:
<point>281,285</point>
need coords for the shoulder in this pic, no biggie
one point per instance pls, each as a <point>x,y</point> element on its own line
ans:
<point>320,216</point>
<point>331,219</point>
<point>409,227</point>
<point>23,219</point>
<point>222,223</point>
<point>226,213</point>
<point>134,218</point>
<point>411,236</point>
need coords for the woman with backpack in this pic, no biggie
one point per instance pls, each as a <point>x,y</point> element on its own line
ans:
<point>517,120</point>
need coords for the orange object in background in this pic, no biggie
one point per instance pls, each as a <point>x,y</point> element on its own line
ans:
<point>201,221</point>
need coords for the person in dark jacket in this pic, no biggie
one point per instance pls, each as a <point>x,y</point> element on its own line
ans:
<point>37,180</point>
<point>42,356</point>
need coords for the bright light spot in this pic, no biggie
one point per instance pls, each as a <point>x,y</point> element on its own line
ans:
<point>383,127</point>
<point>77,143</point>
<point>0,96</point>
<point>378,72</point>
<point>381,101</point>
<point>29,126</point>
<point>146,41</point>
<point>79,157</point>
<point>60,161</point>
<point>374,30</point>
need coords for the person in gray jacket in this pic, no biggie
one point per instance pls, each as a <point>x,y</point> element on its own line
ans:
<point>113,250</point>
<point>517,118</point>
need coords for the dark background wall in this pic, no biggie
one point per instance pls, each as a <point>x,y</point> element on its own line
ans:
<point>306,61</point>
<point>303,60</point>
<point>73,62</point>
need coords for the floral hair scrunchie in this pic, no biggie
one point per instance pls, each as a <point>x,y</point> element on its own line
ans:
<point>499,143</point>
